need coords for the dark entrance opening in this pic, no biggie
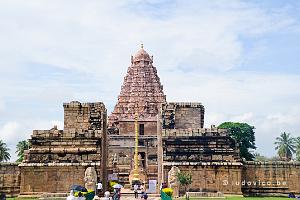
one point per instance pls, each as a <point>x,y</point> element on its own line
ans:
<point>141,129</point>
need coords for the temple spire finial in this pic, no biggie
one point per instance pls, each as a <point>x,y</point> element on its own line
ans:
<point>142,45</point>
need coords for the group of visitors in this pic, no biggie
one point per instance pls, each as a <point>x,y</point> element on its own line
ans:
<point>292,195</point>
<point>138,189</point>
<point>141,187</point>
<point>72,197</point>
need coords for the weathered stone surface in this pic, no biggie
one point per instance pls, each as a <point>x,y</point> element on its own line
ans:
<point>183,115</point>
<point>38,179</point>
<point>210,177</point>
<point>141,92</point>
<point>199,145</point>
<point>61,156</point>
<point>9,179</point>
<point>80,141</point>
<point>271,178</point>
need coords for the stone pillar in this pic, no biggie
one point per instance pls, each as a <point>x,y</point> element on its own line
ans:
<point>159,149</point>
<point>104,150</point>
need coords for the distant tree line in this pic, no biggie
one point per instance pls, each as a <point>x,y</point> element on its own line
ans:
<point>244,134</point>
<point>286,146</point>
<point>21,147</point>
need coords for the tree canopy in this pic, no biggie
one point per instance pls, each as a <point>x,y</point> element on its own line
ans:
<point>259,157</point>
<point>285,146</point>
<point>4,154</point>
<point>297,142</point>
<point>185,179</point>
<point>244,135</point>
<point>21,146</point>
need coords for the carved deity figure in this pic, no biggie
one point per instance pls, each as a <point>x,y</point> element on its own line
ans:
<point>173,180</point>
<point>115,158</point>
<point>90,178</point>
<point>140,159</point>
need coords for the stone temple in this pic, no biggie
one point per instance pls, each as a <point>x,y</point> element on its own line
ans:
<point>170,134</point>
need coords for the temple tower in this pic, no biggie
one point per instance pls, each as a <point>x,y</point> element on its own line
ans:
<point>141,92</point>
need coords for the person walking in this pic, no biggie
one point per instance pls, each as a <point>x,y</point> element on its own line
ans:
<point>117,194</point>
<point>135,189</point>
<point>144,195</point>
<point>71,196</point>
<point>99,188</point>
<point>106,195</point>
<point>142,188</point>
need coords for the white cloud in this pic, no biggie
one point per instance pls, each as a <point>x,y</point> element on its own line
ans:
<point>196,47</point>
<point>94,36</point>
<point>268,102</point>
<point>246,117</point>
<point>2,105</point>
<point>10,131</point>
<point>13,132</point>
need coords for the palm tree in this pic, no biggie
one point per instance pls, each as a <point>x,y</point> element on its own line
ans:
<point>285,146</point>
<point>4,155</point>
<point>21,146</point>
<point>297,148</point>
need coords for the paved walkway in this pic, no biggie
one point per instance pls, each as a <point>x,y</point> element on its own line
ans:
<point>132,198</point>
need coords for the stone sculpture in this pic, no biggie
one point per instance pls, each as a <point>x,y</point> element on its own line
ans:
<point>173,181</point>
<point>90,178</point>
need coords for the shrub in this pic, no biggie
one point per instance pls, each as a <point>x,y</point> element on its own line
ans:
<point>111,184</point>
<point>168,191</point>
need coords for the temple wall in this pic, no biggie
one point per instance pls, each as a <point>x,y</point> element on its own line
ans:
<point>55,178</point>
<point>127,127</point>
<point>271,178</point>
<point>83,118</point>
<point>183,115</point>
<point>212,178</point>
<point>9,179</point>
<point>189,116</point>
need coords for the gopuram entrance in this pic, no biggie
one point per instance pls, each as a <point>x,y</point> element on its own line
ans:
<point>132,149</point>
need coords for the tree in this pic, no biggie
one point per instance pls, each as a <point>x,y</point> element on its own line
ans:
<point>185,180</point>
<point>4,155</point>
<point>21,146</point>
<point>259,157</point>
<point>285,145</point>
<point>297,143</point>
<point>244,135</point>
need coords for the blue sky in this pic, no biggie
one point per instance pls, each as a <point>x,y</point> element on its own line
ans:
<point>239,58</point>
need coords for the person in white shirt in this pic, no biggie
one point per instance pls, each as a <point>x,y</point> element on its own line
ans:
<point>106,195</point>
<point>135,189</point>
<point>99,188</point>
<point>71,196</point>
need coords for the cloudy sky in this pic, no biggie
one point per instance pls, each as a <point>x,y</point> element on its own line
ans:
<point>239,58</point>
